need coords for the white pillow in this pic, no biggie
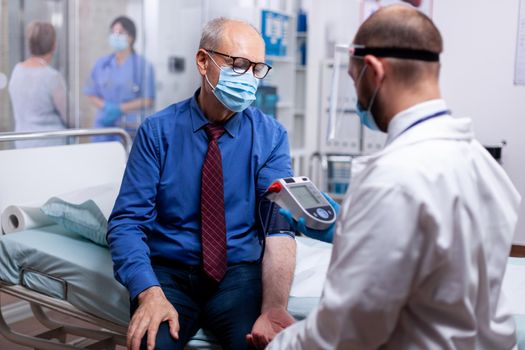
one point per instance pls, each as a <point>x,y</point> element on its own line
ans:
<point>85,211</point>
<point>84,219</point>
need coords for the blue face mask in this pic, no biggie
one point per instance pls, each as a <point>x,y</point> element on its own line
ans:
<point>118,42</point>
<point>236,92</point>
<point>365,114</point>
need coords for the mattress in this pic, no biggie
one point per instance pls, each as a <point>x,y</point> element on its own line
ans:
<point>64,265</point>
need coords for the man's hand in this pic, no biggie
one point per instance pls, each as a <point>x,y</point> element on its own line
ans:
<point>271,322</point>
<point>153,309</point>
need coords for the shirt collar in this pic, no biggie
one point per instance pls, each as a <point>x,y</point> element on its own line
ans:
<point>406,118</point>
<point>199,120</point>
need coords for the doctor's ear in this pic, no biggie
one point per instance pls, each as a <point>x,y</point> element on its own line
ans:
<point>377,66</point>
<point>201,58</point>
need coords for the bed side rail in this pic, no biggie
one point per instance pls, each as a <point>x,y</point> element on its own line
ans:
<point>125,139</point>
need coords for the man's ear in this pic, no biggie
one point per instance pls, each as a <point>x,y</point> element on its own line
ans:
<point>201,60</point>
<point>377,66</point>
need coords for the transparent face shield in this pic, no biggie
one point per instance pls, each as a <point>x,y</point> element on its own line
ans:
<point>342,101</point>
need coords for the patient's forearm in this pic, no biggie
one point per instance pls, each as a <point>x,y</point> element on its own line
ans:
<point>96,101</point>
<point>136,104</point>
<point>277,272</point>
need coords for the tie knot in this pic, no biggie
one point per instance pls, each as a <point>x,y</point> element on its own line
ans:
<point>214,131</point>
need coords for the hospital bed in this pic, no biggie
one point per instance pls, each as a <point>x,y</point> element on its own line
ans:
<point>55,269</point>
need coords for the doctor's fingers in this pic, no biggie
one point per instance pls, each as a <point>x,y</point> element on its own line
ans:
<point>301,226</point>
<point>285,213</point>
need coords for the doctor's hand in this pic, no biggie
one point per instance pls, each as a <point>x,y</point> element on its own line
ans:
<point>153,309</point>
<point>326,235</point>
<point>110,113</point>
<point>267,326</point>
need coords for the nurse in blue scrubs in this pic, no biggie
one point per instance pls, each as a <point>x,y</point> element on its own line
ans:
<point>122,84</point>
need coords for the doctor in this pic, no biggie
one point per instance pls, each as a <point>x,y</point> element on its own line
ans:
<point>425,230</point>
<point>122,84</point>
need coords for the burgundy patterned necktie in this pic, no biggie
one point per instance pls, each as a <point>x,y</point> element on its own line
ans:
<point>213,224</point>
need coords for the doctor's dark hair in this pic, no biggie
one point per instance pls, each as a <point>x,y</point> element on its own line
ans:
<point>128,25</point>
<point>41,38</point>
<point>401,26</point>
<point>212,32</point>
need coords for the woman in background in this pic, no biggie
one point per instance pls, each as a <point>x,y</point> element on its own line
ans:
<point>122,84</point>
<point>38,91</point>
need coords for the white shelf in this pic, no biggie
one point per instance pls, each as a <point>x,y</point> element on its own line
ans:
<point>302,34</point>
<point>280,59</point>
<point>282,105</point>
<point>299,111</point>
<point>300,68</point>
<point>285,13</point>
<point>298,152</point>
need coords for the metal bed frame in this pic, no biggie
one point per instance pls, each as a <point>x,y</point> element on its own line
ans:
<point>37,135</point>
<point>105,334</point>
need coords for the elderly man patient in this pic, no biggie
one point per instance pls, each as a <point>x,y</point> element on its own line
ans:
<point>183,233</point>
<point>422,243</point>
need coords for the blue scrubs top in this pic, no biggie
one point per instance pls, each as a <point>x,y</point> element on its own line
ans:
<point>115,83</point>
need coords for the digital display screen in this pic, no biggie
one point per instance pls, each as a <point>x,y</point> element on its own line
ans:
<point>304,196</point>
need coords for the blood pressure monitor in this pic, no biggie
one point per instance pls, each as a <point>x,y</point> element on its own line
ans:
<point>300,196</point>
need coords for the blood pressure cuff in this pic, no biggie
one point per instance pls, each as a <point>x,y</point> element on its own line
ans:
<point>272,223</point>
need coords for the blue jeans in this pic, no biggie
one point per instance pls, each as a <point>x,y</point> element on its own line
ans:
<point>227,309</point>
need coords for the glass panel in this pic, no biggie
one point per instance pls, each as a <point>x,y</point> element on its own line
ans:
<point>115,88</point>
<point>161,70</point>
<point>48,74</point>
<point>5,107</point>
<point>99,84</point>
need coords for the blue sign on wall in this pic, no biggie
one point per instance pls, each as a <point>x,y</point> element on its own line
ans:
<point>274,28</point>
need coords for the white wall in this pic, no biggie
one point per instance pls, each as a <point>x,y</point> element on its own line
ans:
<point>477,74</point>
<point>174,29</point>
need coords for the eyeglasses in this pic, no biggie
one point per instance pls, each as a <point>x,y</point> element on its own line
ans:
<point>241,65</point>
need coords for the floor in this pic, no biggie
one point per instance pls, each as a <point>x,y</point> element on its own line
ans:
<point>32,327</point>
<point>518,251</point>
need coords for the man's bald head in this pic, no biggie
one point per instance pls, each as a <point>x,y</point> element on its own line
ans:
<point>217,30</point>
<point>402,27</point>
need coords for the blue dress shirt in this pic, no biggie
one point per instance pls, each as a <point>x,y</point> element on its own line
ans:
<point>157,212</point>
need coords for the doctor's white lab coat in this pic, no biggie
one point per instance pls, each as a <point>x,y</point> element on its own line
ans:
<point>420,248</point>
